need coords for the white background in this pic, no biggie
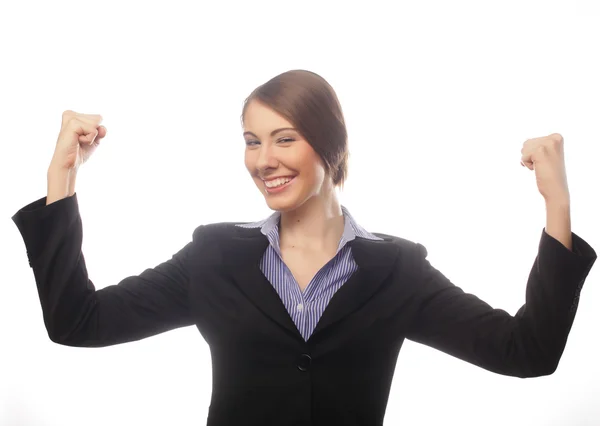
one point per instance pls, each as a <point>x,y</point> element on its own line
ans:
<point>438,97</point>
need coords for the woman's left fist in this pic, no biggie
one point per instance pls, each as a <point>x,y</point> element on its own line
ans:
<point>546,156</point>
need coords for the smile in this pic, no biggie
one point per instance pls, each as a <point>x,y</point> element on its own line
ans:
<point>278,185</point>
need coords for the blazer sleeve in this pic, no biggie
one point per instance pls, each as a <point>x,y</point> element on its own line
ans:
<point>75,313</point>
<point>528,344</point>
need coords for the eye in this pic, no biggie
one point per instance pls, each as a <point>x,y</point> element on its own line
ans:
<point>252,143</point>
<point>285,140</point>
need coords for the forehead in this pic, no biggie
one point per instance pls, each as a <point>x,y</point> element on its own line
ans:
<point>259,118</point>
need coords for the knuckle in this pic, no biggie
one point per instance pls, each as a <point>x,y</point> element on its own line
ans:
<point>67,117</point>
<point>73,123</point>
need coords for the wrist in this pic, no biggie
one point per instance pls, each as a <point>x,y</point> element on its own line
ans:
<point>61,183</point>
<point>558,221</point>
<point>559,201</point>
<point>56,168</point>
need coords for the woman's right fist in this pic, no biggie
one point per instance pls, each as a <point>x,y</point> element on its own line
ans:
<point>79,137</point>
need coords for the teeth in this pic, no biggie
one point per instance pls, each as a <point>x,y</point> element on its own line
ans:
<point>277,182</point>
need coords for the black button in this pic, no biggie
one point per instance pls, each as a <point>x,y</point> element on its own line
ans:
<point>304,362</point>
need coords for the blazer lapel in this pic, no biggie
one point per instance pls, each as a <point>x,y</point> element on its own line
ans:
<point>375,260</point>
<point>245,252</point>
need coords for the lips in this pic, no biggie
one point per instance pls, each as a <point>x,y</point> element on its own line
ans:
<point>270,179</point>
<point>279,188</point>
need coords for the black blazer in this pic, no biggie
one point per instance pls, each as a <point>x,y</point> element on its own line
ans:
<point>264,373</point>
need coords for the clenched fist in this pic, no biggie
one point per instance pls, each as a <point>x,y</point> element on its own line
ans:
<point>546,157</point>
<point>79,137</point>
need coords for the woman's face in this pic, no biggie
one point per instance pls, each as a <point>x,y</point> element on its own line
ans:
<point>284,167</point>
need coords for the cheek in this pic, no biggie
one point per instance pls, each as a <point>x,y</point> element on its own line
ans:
<point>308,160</point>
<point>313,175</point>
<point>314,166</point>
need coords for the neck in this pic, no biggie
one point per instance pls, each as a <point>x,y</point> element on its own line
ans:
<point>318,224</point>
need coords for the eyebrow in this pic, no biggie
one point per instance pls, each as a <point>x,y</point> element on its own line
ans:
<point>273,133</point>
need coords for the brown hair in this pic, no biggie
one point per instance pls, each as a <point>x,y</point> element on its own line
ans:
<point>309,102</point>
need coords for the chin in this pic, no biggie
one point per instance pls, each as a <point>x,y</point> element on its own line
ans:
<point>284,202</point>
<point>281,204</point>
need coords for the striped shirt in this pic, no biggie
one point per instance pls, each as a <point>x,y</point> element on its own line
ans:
<point>306,307</point>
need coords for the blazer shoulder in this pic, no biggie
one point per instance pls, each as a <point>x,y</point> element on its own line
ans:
<point>221,231</point>
<point>404,244</point>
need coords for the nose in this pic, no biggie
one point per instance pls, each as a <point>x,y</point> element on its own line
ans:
<point>266,158</point>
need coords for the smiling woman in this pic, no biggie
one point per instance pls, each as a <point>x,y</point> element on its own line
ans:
<point>305,312</point>
<point>282,157</point>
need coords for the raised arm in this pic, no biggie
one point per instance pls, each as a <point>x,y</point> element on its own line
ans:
<point>75,313</point>
<point>527,344</point>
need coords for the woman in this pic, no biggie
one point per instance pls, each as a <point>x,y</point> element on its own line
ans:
<point>304,312</point>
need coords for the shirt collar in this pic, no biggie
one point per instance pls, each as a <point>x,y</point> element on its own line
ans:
<point>270,228</point>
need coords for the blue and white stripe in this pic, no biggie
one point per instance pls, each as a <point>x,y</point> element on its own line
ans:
<point>305,308</point>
